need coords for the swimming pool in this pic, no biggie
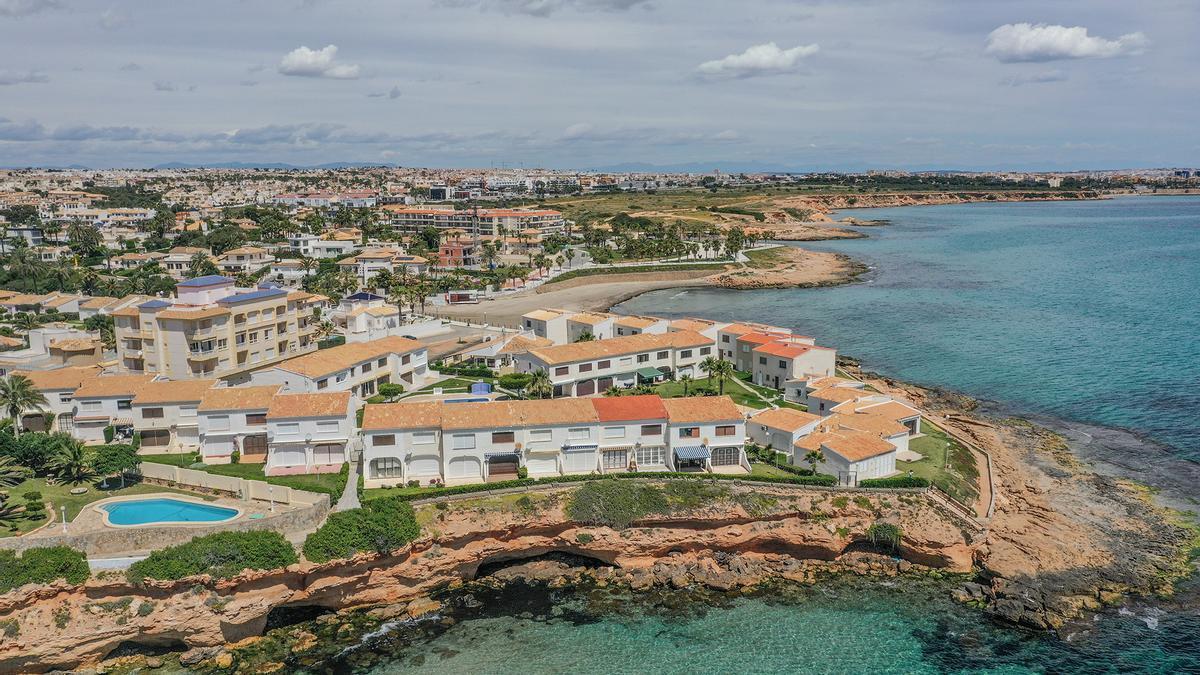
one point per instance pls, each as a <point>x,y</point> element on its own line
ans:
<point>164,510</point>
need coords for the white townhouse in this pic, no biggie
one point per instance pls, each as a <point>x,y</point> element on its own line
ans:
<point>106,400</point>
<point>358,368</point>
<point>247,259</point>
<point>547,323</point>
<point>58,386</point>
<point>633,434</point>
<point>235,418</point>
<point>706,432</point>
<point>583,324</point>
<point>727,341</point>
<point>308,433</point>
<point>798,389</point>
<point>586,368</point>
<point>709,329</point>
<point>780,428</point>
<point>778,362</point>
<point>636,325</point>
<point>165,415</point>
<point>850,455</point>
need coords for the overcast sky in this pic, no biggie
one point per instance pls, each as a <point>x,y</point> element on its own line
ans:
<point>787,84</point>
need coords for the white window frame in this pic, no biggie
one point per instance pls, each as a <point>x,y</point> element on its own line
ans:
<point>463,441</point>
<point>579,434</point>
<point>614,432</point>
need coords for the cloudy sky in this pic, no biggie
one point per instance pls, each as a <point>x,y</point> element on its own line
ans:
<point>773,84</point>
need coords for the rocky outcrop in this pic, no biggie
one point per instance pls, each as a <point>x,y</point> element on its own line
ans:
<point>793,533</point>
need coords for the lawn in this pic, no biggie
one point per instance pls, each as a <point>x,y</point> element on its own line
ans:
<point>948,464</point>
<point>760,469</point>
<point>327,483</point>
<point>59,496</point>
<point>674,389</point>
<point>453,385</point>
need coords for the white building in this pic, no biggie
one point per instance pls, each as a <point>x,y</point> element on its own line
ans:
<point>358,368</point>
<point>308,433</point>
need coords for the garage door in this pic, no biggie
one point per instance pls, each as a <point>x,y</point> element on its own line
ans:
<point>288,457</point>
<point>579,460</point>
<point>586,388</point>
<point>540,465</point>
<point>464,467</point>
<point>329,453</point>
<point>424,466</point>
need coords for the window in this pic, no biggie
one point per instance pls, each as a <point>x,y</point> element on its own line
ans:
<point>726,430</point>
<point>685,354</point>
<point>366,367</point>
<point>254,337</point>
<point>423,437</point>
<point>64,398</point>
<point>218,423</point>
<point>724,456</point>
<point>614,432</point>
<point>383,440</point>
<point>152,413</point>
<point>762,360</point>
<point>464,441</point>
<point>782,363</point>
<point>240,339</point>
<point>689,432</point>
<point>254,445</point>
<point>541,436</point>
<point>604,364</point>
<point>724,338</point>
<point>705,351</point>
<point>321,384</point>
<point>663,355</point>
<point>155,438</point>
<point>405,360</point>
<point>585,367</point>
<point>503,437</point>
<point>385,467</point>
<point>642,358</point>
<point>652,430</point>
<point>256,419</point>
<point>626,360</point>
<point>651,456</point>
<point>614,459</point>
<point>745,348</point>
<point>382,362</point>
<point>90,406</point>
<point>327,428</point>
<point>187,411</point>
<point>289,430</point>
<point>125,404</point>
<point>562,370</point>
<point>579,434</point>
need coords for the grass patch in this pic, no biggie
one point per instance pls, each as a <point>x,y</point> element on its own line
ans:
<point>59,496</point>
<point>674,389</point>
<point>332,484</point>
<point>223,555</point>
<point>635,269</point>
<point>760,469</point>
<point>948,464</point>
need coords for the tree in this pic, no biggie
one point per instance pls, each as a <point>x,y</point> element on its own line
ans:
<point>717,368</point>
<point>686,381</point>
<point>570,253</point>
<point>26,321</point>
<point>103,323</point>
<point>201,266</point>
<point>517,382</point>
<point>814,458</point>
<point>116,459</point>
<point>585,336</point>
<point>735,240</point>
<point>73,463</point>
<point>540,385</point>
<point>10,475</point>
<point>17,394</point>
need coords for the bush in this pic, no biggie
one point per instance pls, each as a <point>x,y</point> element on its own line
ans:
<point>584,538</point>
<point>222,555</point>
<point>523,472</point>
<point>377,398</point>
<point>42,566</point>
<point>235,457</point>
<point>33,496</point>
<point>335,341</point>
<point>615,503</point>
<point>895,482</point>
<point>382,525</point>
<point>885,535</point>
<point>391,389</point>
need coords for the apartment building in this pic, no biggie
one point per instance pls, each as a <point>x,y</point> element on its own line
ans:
<point>474,221</point>
<point>358,368</point>
<point>850,455</point>
<point>103,401</point>
<point>780,428</point>
<point>592,325</point>
<point>178,261</point>
<point>550,324</point>
<point>459,251</point>
<point>235,419</point>
<point>367,264</point>
<point>308,433</point>
<point>458,443</point>
<point>165,414</point>
<point>247,260</point>
<point>214,329</point>
<point>636,325</point>
<point>727,337</point>
<point>587,368</point>
<point>312,246</point>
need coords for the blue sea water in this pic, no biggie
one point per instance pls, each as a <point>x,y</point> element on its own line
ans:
<point>1086,311</point>
<point>165,510</point>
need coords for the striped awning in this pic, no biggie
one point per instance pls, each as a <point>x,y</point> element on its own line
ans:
<point>585,446</point>
<point>502,455</point>
<point>692,452</point>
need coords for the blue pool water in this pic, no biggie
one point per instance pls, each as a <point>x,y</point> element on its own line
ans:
<point>165,510</point>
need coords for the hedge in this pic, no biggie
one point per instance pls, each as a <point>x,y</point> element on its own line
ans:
<point>819,480</point>
<point>382,525</point>
<point>222,555</point>
<point>42,565</point>
<point>895,482</point>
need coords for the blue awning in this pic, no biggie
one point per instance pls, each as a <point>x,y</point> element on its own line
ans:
<point>502,455</point>
<point>692,452</point>
<point>569,448</point>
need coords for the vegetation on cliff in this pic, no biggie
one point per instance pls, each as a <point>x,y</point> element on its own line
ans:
<point>42,566</point>
<point>221,555</point>
<point>618,504</point>
<point>382,526</point>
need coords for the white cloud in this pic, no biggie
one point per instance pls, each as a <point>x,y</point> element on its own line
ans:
<point>764,59</point>
<point>26,7</point>
<point>1015,42</point>
<point>305,62</point>
<point>10,77</point>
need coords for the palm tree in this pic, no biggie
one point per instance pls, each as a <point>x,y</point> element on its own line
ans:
<point>17,394</point>
<point>308,265</point>
<point>686,381</point>
<point>540,385</point>
<point>72,463</point>
<point>719,369</point>
<point>570,253</point>
<point>814,457</point>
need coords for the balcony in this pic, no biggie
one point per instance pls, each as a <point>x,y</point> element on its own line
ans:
<point>205,355</point>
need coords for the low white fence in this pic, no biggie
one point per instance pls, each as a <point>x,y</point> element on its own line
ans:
<point>246,488</point>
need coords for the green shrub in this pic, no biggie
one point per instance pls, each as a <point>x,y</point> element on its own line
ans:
<point>42,565</point>
<point>862,502</point>
<point>382,525</point>
<point>522,472</point>
<point>615,503</point>
<point>885,535</point>
<point>145,609</point>
<point>33,496</point>
<point>840,502</point>
<point>235,457</point>
<point>895,482</point>
<point>377,398</point>
<point>584,538</point>
<point>391,389</point>
<point>222,555</point>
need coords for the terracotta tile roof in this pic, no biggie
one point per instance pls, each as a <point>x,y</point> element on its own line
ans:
<point>787,419</point>
<point>639,322</point>
<point>99,302</point>
<point>239,398</point>
<point>630,408</point>
<point>694,325</point>
<point>335,359</point>
<point>757,338</point>
<point>203,313</point>
<point>423,415</point>
<point>25,299</point>
<point>872,424</point>
<point>75,344</point>
<point>698,409</point>
<point>112,385</point>
<point>332,404</point>
<point>783,350</point>
<point>182,391</point>
<point>555,411</point>
<point>840,394</point>
<point>589,318</point>
<point>619,346</point>
<point>893,410</point>
<point>854,446</point>
<point>62,378</point>
<point>519,344</point>
<point>542,315</point>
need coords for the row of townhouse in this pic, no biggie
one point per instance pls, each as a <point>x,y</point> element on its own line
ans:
<point>469,442</point>
<point>367,264</point>
<point>355,367</point>
<point>562,326</point>
<point>313,246</point>
<point>214,329</point>
<point>587,368</point>
<point>356,199</point>
<point>473,221</point>
<point>774,356</point>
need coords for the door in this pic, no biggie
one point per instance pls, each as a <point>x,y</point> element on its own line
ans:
<point>502,468</point>
<point>725,456</point>
<point>579,460</point>
<point>424,466</point>
<point>614,460</point>
<point>156,438</point>
<point>585,388</point>
<point>288,457</point>
<point>464,467</point>
<point>254,448</point>
<point>329,453</point>
<point>540,465</point>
